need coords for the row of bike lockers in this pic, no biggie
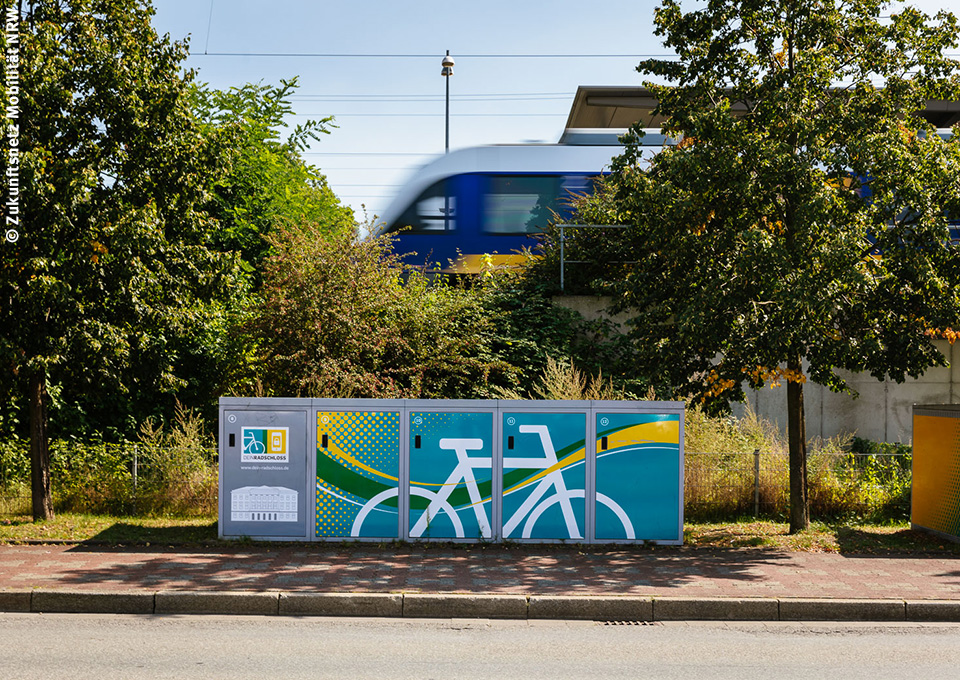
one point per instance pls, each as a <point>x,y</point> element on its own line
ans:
<point>451,470</point>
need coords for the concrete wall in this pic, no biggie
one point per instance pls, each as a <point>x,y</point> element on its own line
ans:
<point>882,412</point>
<point>590,307</point>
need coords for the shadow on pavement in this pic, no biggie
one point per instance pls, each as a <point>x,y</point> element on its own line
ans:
<point>327,567</point>
<point>900,543</point>
<point>122,536</point>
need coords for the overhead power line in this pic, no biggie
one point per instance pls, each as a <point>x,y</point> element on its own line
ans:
<point>366,153</point>
<point>434,115</point>
<point>385,95</point>
<point>398,99</point>
<point>347,55</point>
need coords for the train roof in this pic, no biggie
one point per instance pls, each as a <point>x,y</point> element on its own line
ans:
<point>601,107</point>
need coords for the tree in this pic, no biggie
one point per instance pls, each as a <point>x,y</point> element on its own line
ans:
<point>267,181</point>
<point>799,227</point>
<point>115,270</point>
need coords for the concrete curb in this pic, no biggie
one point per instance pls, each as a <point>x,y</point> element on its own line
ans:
<point>590,607</point>
<point>85,602</point>
<point>715,609</point>
<point>191,602</point>
<point>488,606</point>
<point>443,606</point>
<point>341,604</point>
<point>814,609</point>
<point>933,610</point>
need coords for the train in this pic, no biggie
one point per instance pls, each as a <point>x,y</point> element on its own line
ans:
<point>479,206</point>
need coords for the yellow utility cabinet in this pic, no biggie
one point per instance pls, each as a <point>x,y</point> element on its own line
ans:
<point>935,496</point>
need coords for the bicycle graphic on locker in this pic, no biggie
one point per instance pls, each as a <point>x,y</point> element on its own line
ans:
<point>530,510</point>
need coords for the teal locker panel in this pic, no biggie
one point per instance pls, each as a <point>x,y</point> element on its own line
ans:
<point>358,470</point>
<point>451,475</point>
<point>544,475</point>
<point>638,493</point>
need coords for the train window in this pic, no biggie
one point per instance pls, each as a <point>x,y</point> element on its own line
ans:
<point>521,204</point>
<point>434,210</point>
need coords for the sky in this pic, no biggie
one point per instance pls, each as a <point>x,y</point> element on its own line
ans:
<point>375,67</point>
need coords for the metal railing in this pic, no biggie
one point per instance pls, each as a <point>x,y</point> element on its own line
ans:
<point>117,479</point>
<point>562,228</point>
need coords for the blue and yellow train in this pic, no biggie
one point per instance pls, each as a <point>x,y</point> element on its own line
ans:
<point>487,201</point>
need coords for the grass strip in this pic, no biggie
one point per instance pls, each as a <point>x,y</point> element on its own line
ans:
<point>842,537</point>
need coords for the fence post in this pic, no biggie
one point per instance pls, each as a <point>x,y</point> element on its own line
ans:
<point>756,483</point>
<point>135,452</point>
<point>561,259</point>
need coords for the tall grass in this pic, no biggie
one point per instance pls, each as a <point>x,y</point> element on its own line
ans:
<point>176,473</point>
<point>181,465</point>
<point>740,466</point>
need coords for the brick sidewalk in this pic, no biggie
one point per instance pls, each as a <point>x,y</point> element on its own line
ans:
<point>676,572</point>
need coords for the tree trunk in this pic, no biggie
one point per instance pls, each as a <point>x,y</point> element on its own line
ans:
<point>39,449</point>
<point>797,439</point>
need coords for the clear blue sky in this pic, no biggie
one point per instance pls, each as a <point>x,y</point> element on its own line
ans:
<point>390,108</point>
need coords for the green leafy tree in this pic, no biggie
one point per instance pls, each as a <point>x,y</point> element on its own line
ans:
<point>800,225</point>
<point>114,287</point>
<point>268,181</point>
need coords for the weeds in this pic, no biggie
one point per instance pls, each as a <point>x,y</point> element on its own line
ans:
<point>169,471</point>
<point>180,466</point>
<point>564,381</point>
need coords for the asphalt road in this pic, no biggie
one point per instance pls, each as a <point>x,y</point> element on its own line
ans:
<point>114,646</point>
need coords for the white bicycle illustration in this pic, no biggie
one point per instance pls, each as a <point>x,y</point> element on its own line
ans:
<point>251,444</point>
<point>530,510</point>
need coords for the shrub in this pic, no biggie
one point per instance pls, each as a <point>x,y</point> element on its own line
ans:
<point>177,468</point>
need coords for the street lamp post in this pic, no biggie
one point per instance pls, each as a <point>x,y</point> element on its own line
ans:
<point>447,71</point>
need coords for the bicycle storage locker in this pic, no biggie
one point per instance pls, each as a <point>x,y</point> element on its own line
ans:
<point>445,470</point>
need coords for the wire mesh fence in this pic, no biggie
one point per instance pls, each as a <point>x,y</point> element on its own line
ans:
<point>133,479</point>
<point>734,485</point>
<point>125,479</point>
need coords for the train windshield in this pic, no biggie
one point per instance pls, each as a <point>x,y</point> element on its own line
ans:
<point>435,210</point>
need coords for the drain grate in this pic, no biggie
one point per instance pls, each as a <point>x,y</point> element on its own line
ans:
<point>628,623</point>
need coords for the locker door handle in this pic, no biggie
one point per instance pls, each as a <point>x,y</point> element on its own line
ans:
<point>416,442</point>
<point>233,439</point>
<point>324,441</point>
<point>510,443</point>
<point>603,443</point>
